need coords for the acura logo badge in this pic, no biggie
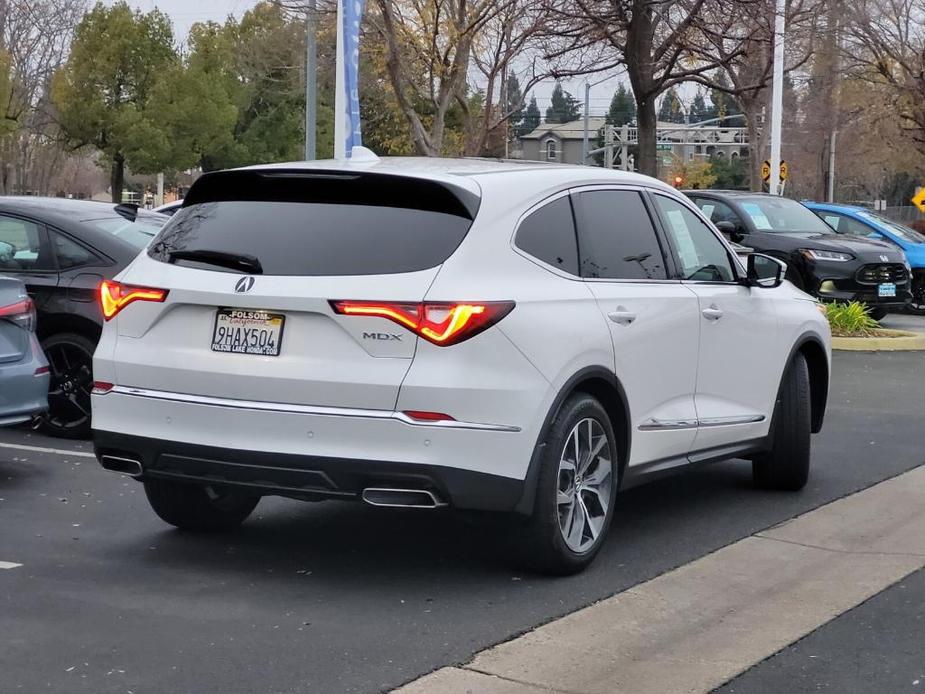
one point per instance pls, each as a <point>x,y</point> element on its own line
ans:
<point>245,284</point>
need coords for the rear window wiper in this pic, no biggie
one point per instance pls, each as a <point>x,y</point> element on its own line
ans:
<point>233,261</point>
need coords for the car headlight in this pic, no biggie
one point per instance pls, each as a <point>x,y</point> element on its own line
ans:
<point>834,256</point>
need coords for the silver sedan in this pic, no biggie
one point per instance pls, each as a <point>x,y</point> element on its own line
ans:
<point>23,368</point>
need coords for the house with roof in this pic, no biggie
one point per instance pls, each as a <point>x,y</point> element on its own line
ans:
<point>562,142</point>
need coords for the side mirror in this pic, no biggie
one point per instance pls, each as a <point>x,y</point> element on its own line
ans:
<point>729,230</point>
<point>765,271</point>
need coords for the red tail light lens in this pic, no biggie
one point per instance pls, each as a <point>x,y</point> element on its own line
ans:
<point>443,323</point>
<point>115,296</point>
<point>22,313</point>
<point>101,387</point>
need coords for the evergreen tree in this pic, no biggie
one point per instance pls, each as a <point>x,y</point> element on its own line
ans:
<point>723,104</point>
<point>622,107</point>
<point>514,104</point>
<point>531,119</point>
<point>671,110</point>
<point>564,107</point>
<point>699,110</point>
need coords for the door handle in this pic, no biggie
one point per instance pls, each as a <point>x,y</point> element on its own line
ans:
<point>712,313</point>
<point>621,316</point>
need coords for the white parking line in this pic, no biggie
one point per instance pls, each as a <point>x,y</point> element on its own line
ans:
<point>40,449</point>
<point>9,565</point>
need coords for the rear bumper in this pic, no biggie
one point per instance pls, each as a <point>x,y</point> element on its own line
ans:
<point>307,477</point>
<point>23,394</point>
<point>307,452</point>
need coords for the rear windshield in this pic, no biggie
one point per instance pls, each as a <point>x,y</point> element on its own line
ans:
<point>138,233</point>
<point>300,232</point>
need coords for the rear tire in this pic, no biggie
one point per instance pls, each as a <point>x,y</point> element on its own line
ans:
<point>70,360</point>
<point>568,493</point>
<point>786,465</point>
<point>198,508</point>
<point>917,306</point>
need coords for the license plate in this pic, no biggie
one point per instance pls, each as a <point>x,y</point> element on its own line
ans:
<point>241,331</point>
<point>886,289</point>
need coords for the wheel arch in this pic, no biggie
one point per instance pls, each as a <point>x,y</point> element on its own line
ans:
<point>812,349</point>
<point>602,384</point>
<point>54,323</point>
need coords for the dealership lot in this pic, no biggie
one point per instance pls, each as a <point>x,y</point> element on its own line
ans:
<point>339,597</point>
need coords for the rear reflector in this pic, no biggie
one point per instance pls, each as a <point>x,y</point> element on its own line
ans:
<point>114,296</point>
<point>442,323</point>
<point>101,387</point>
<point>421,416</point>
<point>41,371</point>
<point>22,313</point>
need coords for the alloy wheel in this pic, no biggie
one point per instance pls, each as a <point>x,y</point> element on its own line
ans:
<point>71,382</point>
<point>583,491</point>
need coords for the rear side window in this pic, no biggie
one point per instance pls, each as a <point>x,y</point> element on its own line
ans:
<point>616,237</point>
<point>549,235</point>
<point>70,254</point>
<point>316,224</point>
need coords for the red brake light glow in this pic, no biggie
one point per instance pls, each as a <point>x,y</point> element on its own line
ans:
<point>115,296</point>
<point>17,309</point>
<point>421,416</point>
<point>442,323</point>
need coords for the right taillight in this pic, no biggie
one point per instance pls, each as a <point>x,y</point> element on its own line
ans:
<point>442,322</point>
<point>114,296</point>
<point>22,313</point>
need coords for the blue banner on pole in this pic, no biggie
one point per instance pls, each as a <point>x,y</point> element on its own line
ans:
<point>352,15</point>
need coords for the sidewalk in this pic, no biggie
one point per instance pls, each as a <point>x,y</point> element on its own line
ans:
<point>697,627</point>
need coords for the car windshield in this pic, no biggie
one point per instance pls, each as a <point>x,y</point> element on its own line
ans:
<point>782,215</point>
<point>138,233</point>
<point>902,231</point>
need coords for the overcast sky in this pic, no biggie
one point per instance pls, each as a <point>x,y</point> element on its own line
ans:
<point>185,13</point>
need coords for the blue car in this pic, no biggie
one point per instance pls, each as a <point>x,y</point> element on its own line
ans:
<point>858,221</point>
<point>23,368</point>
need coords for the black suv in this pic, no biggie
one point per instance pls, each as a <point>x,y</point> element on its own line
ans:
<point>830,266</point>
<point>62,250</point>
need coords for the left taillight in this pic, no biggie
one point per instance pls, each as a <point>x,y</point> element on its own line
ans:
<point>439,322</point>
<point>114,296</point>
<point>22,313</point>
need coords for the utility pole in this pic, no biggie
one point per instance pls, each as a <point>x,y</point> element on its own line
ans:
<point>777,97</point>
<point>608,146</point>
<point>311,92</point>
<point>584,143</point>
<point>830,196</point>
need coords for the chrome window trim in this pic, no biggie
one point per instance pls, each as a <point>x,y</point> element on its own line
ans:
<point>289,408</point>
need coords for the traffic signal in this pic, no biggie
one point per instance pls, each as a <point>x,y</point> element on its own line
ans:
<point>678,180</point>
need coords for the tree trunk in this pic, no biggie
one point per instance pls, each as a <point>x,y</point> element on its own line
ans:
<point>117,177</point>
<point>647,123</point>
<point>752,111</point>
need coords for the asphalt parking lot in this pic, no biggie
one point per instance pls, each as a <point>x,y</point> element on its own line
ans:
<point>339,597</point>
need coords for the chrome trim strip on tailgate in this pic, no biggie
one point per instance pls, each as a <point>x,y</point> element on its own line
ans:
<point>289,408</point>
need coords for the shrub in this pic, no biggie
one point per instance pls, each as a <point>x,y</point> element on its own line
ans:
<point>851,320</point>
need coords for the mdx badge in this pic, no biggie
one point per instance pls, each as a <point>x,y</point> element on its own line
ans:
<point>384,337</point>
<point>245,284</point>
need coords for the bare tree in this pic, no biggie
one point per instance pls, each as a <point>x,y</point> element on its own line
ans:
<point>35,34</point>
<point>741,40</point>
<point>885,44</point>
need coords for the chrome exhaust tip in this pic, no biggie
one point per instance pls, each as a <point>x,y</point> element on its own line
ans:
<point>126,466</point>
<point>401,498</point>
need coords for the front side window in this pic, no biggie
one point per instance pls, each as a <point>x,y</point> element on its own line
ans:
<point>616,237</point>
<point>717,211</point>
<point>702,256</point>
<point>549,235</point>
<point>22,247</point>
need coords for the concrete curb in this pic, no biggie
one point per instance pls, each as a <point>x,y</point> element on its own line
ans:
<point>902,342</point>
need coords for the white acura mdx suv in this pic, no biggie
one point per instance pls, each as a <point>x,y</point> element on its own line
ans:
<point>514,337</point>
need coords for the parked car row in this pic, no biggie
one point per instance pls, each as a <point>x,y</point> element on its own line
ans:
<point>823,259</point>
<point>61,250</point>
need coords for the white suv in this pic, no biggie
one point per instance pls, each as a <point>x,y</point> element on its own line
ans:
<point>482,335</point>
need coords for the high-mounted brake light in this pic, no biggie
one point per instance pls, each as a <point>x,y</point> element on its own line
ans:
<point>443,323</point>
<point>114,296</point>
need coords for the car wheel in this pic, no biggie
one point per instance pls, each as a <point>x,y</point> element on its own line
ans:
<point>917,305</point>
<point>70,361</point>
<point>877,313</point>
<point>198,508</point>
<point>576,489</point>
<point>786,465</point>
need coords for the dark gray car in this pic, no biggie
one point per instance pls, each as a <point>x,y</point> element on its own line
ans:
<point>23,368</point>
